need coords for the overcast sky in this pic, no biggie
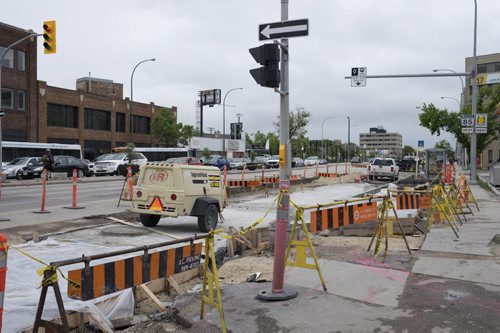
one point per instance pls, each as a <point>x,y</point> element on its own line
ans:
<point>202,45</point>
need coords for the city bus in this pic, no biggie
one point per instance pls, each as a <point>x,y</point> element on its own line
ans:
<point>155,154</point>
<point>15,149</point>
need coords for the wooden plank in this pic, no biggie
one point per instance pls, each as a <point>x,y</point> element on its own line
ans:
<point>153,297</point>
<point>155,286</point>
<point>174,285</point>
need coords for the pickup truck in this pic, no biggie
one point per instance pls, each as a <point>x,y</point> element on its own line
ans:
<point>383,168</point>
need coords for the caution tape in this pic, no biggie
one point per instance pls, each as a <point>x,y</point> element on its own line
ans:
<point>220,232</point>
<point>41,271</point>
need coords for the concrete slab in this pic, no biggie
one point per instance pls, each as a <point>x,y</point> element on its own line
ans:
<point>474,239</point>
<point>482,271</point>
<point>311,311</point>
<point>366,283</point>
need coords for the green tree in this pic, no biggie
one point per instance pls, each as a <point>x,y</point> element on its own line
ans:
<point>437,120</point>
<point>260,139</point>
<point>206,154</point>
<point>274,143</point>
<point>444,144</point>
<point>408,150</point>
<point>165,129</point>
<point>186,132</point>
<point>298,122</point>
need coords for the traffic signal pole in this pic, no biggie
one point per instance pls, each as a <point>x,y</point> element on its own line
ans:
<point>279,292</point>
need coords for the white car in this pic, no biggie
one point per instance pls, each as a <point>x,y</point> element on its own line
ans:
<point>311,160</point>
<point>110,163</point>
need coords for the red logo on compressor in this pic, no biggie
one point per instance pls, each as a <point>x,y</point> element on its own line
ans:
<point>158,177</point>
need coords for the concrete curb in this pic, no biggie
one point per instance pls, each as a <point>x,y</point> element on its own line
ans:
<point>487,181</point>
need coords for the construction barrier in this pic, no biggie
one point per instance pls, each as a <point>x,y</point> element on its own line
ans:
<point>342,216</point>
<point>44,191</point>
<point>104,279</point>
<point>130,182</point>
<point>3,272</point>
<point>327,175</point>
<point>74,181</point>
<point>413,201</point>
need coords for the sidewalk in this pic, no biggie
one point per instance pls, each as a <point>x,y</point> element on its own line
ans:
<point>453,286</point>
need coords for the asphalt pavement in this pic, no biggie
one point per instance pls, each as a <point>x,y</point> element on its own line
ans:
<point>452,285</point>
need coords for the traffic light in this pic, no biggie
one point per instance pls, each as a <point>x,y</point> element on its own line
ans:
<point>267,55</point>
<point>49,37</point>
<point>236,131</point>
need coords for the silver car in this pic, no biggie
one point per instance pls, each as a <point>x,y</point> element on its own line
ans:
<point>23,167</point>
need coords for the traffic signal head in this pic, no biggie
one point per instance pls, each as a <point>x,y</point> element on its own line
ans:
<point>267,55</point>
<point>49,37</point>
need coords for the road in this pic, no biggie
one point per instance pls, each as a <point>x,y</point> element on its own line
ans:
<point>19,202</point>
<point>99,196</point>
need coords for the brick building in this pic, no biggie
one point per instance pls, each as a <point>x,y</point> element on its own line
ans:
<point>19,75</point>
<point>94,115</point>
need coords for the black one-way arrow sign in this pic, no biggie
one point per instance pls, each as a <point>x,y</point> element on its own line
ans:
<point>284,29</point>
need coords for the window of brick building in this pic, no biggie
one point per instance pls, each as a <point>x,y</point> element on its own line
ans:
<point>62,115</point>
<point>120,122</point>
<point>7,98</point>
<point>8,60</point>
<point>141,124</point>
<point>97,120</point>
<point>21,100</point>
<point>21,60</point>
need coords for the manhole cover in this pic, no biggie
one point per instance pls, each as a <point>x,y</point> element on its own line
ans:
<point>124,231</point>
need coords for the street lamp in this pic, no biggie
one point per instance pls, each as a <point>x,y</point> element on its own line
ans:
<point>132,98</point>
<point>473,139</point>
<point>348,139</point>
<point>453,98</point>
<point>462,102</point>
<point>224,121</point>
<point>322,144</point>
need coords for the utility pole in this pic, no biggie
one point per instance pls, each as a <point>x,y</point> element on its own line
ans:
<point>278,292</point>
<point>473,138</point>
<point>348,139</point>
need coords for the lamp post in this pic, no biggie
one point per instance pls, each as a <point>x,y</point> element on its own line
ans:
<point>453,98</point>
<point>473,138</point>
<point>132,98</point>
<point>348,139</point>
<point>224,121</point>
<point>462,101</point>
<point>322,143</point>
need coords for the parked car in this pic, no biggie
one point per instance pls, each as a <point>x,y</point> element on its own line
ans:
<point>322,161</point>
<point>63,163</point>
<point>297,162</point>
<point>311,160</point>
<point>356,160</point>
<point>111,163</point>
<point>273,162</point>
<point>218,161</point>
<point>20,167</point>
<point>184,160</point>
<point>92,164</point>
<point>237,163</point>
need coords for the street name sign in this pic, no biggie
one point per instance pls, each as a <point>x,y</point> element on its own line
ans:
<point>358,77</point>
<point>284,29</point>
<point>467,130</point>
<point>467,120</point>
